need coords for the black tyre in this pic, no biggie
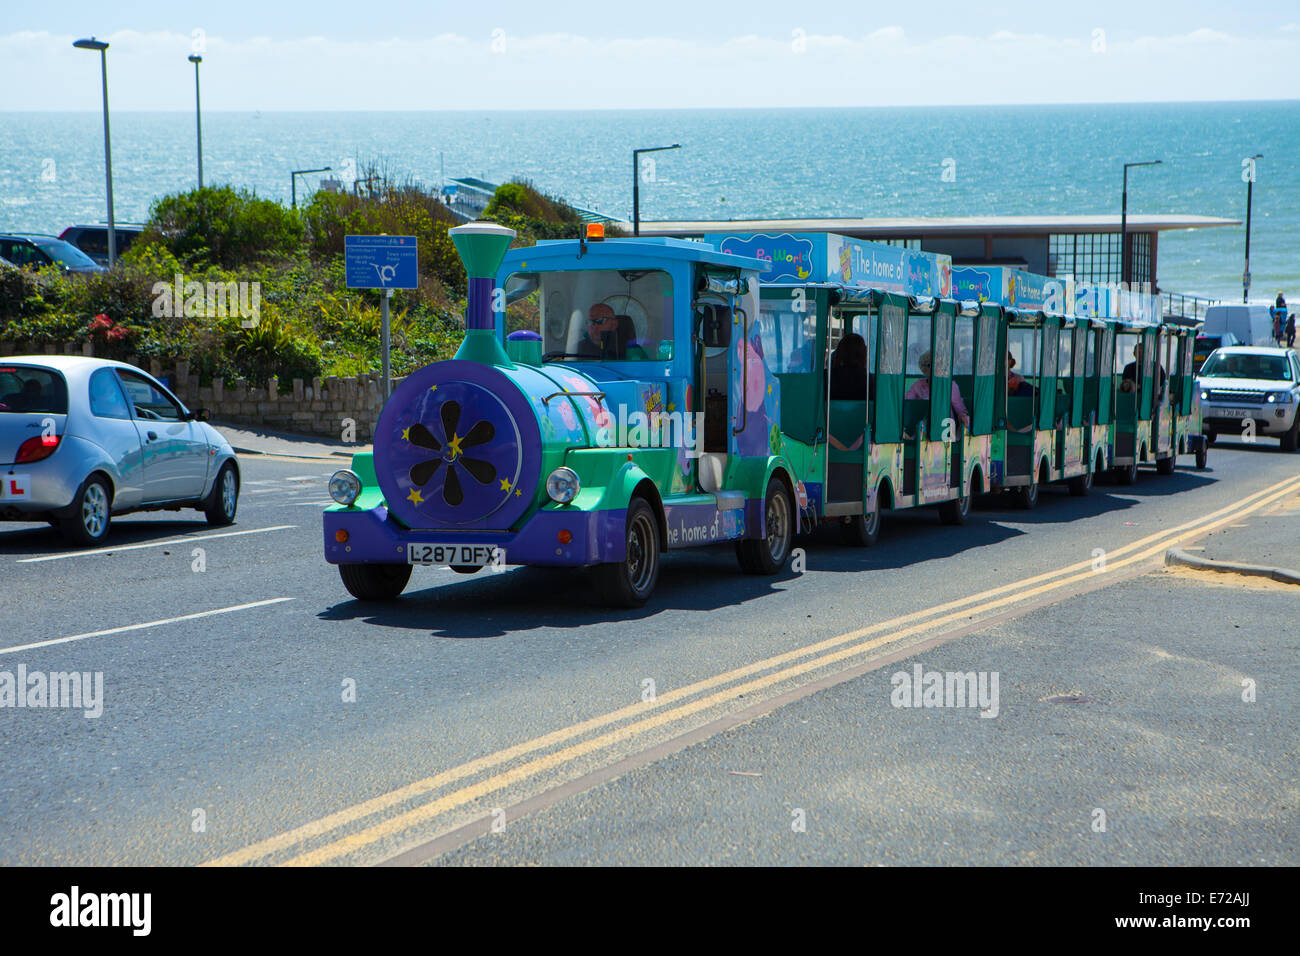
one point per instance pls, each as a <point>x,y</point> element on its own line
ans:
<point>1080,485</point>
<point>375,582</point>
<point>1165,466</point>
<point>1127,474</point>
<point>767,555</point>
<point>1291,439</point>
<point>861,531</point>
<point>630,582</point>
<point>1210,437</point>
<point>224,500</point>
<point>1202,455</point>
<point>1026,496</point>
<point>92,514</point>
<point>957,510</point>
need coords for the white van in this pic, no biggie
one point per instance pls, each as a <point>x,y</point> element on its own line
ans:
<point>1252,324</point>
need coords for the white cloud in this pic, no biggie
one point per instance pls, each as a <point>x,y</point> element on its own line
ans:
<point>148,71</point>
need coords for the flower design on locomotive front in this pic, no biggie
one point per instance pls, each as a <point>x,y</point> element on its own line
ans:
<point>452,451</point>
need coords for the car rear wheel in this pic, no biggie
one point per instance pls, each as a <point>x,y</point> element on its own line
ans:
<point>630,582</point>
<point>225,497</point>
<point>375,582</point>
<point>90,520</point>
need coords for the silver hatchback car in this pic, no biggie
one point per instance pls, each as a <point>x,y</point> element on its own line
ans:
<point>82,439</point>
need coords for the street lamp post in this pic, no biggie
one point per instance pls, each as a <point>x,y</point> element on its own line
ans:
<point>293,181</point>
<point>1123,222</point>
<point>1250,186</point>
<point>101,47</point>
<point>198,113</point>
<point>636,182</point>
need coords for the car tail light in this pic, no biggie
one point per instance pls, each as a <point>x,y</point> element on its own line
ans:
<point>36,448</point>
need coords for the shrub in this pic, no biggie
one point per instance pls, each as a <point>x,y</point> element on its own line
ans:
<point>222,226</point>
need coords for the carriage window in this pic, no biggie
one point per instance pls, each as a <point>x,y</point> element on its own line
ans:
<point>1022,344</point>
<point>1082,342</point>
<point>965,347</point>
<point>1066,365</point>
<point>988,345</point>
<point>600,314</point>
<point>893,318</point>
<point>1050,349</point>
<point>943,345</point>
<point>787,336</point>
<point>1090,365</point>
<point>1125,343</point>
<point>918,342</point>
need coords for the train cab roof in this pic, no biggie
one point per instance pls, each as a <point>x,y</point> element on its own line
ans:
<point>623,253</point>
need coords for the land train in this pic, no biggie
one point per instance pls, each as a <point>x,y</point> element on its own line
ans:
<point>665,393</point>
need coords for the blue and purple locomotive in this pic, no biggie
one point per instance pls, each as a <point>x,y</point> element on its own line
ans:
<point>634,414</point>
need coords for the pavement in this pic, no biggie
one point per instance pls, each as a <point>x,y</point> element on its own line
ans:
<point>254,713</point>
<point>248,440</point>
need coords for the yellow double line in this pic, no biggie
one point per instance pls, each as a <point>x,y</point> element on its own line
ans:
<point>822,654</point>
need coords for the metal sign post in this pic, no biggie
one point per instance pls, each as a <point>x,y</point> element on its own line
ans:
<point>385,263</point>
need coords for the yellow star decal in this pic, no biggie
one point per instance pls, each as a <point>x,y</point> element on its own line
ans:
<point>672,407</point>
<point>518,493</point>
<point>505,484</point>
<point>454,445</point>
<point>415,497</point>
<point>406,434</point>
<point>433,388</point>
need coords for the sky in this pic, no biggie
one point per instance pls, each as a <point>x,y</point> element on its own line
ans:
<point>644,54</point>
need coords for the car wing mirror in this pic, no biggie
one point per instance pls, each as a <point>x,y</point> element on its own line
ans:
<point>199,415</point>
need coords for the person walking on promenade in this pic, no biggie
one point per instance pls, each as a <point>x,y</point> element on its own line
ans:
<point>1279,317</point>
<point>1290,331</point>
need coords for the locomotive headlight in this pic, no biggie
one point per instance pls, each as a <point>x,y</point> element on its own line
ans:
<point>345,487</point>
<point>563,485</point>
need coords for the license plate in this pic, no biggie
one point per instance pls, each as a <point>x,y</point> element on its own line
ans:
<point>1232,413</point>
<point>472,555</point>
<point>15,487</point>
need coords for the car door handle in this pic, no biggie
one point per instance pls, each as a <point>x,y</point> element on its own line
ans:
<point>153,436</point>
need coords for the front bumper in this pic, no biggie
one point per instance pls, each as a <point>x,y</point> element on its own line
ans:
<point>1269,419</point>
<point>373,537</point>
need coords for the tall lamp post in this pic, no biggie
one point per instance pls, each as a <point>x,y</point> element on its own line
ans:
<point>1123,222</point>
<point>198,113</point>
<point>101,47</point>
<point>293,180</point>
<point>636,182</point>
<point>1250,186</point>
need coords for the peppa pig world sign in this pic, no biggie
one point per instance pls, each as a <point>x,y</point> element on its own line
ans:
<point>826,257</point>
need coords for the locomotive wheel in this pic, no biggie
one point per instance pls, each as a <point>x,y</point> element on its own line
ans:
<point>375,582</point>
<point>861,531</point>
<point>767,555</point>
<point>630,582</point>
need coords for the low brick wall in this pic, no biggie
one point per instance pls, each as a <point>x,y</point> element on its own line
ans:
<point>323,406</point>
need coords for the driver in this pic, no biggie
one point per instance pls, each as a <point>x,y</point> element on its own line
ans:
<point>602,338</point>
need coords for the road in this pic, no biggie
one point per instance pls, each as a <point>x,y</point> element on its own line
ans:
<point>254,713</point>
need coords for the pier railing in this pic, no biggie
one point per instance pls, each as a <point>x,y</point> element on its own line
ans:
<point>1185,305</point>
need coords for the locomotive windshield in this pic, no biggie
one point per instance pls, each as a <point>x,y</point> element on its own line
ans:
<point>599,315</point>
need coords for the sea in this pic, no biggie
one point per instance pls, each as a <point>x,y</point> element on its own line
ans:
<point>732,164</point>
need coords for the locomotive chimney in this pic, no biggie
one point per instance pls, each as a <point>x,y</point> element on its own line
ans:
<point>482,246</point>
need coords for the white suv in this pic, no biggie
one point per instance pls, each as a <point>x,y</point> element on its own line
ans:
<point>1244,383</point>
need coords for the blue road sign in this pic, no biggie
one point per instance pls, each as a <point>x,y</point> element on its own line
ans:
<point>381,262</point>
